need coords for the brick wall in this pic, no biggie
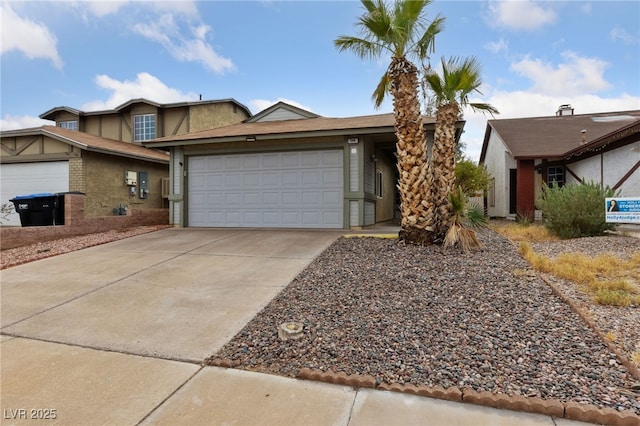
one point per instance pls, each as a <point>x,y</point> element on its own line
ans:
<point>526,195</point>
<point>75,223</point>
<point>77,175</point>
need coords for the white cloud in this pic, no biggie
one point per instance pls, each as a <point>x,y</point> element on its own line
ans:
<point>576,75</point>
<point>144,86</point>
<point>624,36</point>
<point>33,39</point>
<point>185,49</point>
<point>262,104</point>
<point>499,46</point>
<point>521,15</point>
<point>101,8</point>
<point>11,122</point>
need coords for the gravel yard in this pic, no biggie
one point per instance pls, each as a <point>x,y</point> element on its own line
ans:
<point>29,253</point>
<point>429,316</point>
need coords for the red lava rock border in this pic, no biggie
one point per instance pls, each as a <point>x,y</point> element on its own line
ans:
<point>549,407</point>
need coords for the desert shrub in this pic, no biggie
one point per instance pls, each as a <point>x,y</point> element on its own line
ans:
<point>575,211</point>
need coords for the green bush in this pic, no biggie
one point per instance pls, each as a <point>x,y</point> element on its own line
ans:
<point>575,210</point>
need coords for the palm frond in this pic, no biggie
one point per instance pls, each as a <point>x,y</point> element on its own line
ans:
<point>381,90</point>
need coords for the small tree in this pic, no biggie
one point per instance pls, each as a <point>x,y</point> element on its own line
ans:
<point>575,211</point>
<point>5,210</point>
<point>471,177</point>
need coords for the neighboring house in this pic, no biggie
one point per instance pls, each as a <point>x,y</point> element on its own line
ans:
<point>140,120</point>
<point>100,153</point>
<point>523,154</point>
<point>286,168</point>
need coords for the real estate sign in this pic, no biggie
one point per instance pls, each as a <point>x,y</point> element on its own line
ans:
<point>622,210</point>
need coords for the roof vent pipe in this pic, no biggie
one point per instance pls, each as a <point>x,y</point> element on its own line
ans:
<point>584,136</point>
<point>565,109</point>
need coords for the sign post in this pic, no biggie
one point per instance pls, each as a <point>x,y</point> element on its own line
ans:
<point>622,210</point>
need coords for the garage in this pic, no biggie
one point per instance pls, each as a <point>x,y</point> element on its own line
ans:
<point>32,178</point>
<point>299,189</point>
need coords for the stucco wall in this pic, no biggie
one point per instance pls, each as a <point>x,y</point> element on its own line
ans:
<point>209,116</point>
<point>105,185</point>
<point>498,161</point>
<point>609,168</point>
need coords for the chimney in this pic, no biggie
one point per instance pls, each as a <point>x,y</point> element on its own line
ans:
<point>563,110</point>
<point>584,136</point>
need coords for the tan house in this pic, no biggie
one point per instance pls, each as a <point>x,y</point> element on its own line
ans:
<point>101,153</point>
<point>286,168</point>
<point>523,154</point>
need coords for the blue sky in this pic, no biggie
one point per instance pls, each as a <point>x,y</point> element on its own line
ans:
<point>94,55</point>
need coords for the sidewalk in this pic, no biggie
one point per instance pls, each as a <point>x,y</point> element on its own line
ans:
<point>83,386</point>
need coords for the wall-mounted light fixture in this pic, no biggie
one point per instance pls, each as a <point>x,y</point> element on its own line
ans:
<point>250,138</point>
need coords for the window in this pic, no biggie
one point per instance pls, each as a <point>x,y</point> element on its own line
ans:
<point>71,125</point>
<point>379,184</point>
<point>144,127</point>
<point>555,174</point>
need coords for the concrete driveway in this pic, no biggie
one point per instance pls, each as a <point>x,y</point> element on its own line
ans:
<point>116,334</point>
<point>176,294</point>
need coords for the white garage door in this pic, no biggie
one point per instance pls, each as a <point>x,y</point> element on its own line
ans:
<point>281,190</point>
<point>32,178</point>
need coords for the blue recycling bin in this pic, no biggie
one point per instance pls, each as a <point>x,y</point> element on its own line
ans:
<point>35,209</point>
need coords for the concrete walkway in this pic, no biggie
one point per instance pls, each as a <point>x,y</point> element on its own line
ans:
<point>116,334</point>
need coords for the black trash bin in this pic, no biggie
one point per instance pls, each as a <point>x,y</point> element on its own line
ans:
<point>35,209</point>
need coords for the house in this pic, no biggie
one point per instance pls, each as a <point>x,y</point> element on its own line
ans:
<point>286,167</point>
<point>523,154</point>
<point>101,153</point>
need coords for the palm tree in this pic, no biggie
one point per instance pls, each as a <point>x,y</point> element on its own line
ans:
<point>401,30</point>
<point>450,94</point>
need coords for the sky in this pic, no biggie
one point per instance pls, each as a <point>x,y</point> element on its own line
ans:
<point>96,55</point>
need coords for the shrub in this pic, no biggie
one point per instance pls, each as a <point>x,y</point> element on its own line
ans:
<point>575,210</point>
<point>471,177</point>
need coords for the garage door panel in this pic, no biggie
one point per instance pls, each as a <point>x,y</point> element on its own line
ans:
<point>292,189</point>
<point>31,178</point>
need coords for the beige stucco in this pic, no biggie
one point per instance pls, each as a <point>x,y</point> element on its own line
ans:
<point>105,183</point>
<point>209,116</point>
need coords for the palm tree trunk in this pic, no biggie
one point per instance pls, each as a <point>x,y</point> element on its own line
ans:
<point>413,166</point>
<point>443,165</point>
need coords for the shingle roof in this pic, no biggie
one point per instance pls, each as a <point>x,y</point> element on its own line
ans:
<point>94,143</point>
<point>381,123</point>
<point>552,137</point>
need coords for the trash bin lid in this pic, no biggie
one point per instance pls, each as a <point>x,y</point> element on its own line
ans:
<point>29,196</point>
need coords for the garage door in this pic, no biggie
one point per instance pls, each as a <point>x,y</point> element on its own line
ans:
<point>281,190</point>
<point>32,178</point>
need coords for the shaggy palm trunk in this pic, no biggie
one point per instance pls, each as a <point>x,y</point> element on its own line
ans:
<point>414,186</point>
<point>443,163</point>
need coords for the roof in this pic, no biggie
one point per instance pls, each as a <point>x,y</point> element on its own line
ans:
<point>556,136</point>
<point>315,126</point>
<point>303,113</point>
<point>50,114</point>
<point>93,143</point>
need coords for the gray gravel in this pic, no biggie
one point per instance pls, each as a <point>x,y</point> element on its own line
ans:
<point>430,316</point>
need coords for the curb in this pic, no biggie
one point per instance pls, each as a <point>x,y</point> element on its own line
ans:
<point>550,407</point>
